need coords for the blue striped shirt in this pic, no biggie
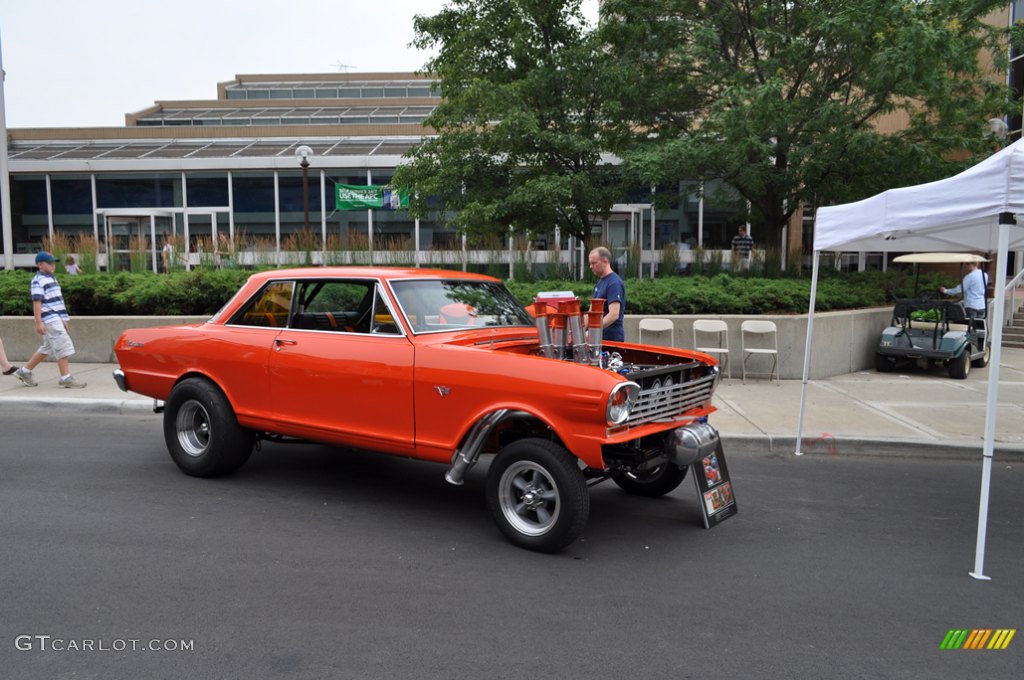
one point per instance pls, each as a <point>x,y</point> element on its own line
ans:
<point>45,288</point>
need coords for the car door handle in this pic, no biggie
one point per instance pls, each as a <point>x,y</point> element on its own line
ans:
<point>279,342</point>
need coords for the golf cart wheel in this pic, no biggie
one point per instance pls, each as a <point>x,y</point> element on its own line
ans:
<point>883,364</point>
<point>982,361</point>
<point>960,366</point>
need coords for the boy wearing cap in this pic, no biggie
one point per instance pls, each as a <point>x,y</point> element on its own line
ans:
<point>51,323</point>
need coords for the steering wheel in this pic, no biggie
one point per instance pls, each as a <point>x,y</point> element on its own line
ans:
<point>929,295</point>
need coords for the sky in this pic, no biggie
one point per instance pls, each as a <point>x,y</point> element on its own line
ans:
<point>69,63</point>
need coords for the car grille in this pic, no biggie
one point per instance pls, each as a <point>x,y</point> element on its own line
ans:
<point>665,397</point>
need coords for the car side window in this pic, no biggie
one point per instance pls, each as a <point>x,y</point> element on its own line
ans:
<point>343,306</point>
<point>339,306</point>
<point>269,308</point>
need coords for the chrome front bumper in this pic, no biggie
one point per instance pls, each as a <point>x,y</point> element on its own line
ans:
<point>688,444</point>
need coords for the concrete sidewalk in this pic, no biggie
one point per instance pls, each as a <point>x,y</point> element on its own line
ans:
<point>911,412</point>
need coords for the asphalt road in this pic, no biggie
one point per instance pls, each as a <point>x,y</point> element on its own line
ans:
<point>319,563</point>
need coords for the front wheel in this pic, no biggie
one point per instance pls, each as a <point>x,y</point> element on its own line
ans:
<point>883,364</point>
<point>960,366</point>
<point>201,431</point>
<point>537,495</point>
<point>652,483</point>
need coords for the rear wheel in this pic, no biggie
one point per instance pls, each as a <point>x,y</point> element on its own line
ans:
<point>652,483</point>
<point>883,364</point>
<point>201,431</point>
<point>537,495</point>
<point>960,366</point>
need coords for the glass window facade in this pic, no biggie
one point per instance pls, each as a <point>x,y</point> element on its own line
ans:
<point>260,230</point>
<point>137,191</point>
<point>28,212</point>
<point>207,190</point>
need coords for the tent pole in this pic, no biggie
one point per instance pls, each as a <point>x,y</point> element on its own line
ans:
<point>992,399</point>
<point>807,353</point>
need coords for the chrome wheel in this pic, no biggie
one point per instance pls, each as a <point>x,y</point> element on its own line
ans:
<point>528,498</point>
<point>537,495</point>
<point>193,426</point>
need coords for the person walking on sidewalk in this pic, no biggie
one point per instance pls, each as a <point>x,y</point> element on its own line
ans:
<point>51,323</point>
<point>7,366</point>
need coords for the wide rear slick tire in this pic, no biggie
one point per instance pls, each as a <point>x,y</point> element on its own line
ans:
<point>201,431</point>
<point>538,495</point>
<point>652,483</point>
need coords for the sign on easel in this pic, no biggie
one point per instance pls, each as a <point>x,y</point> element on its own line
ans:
<point>717,501</point>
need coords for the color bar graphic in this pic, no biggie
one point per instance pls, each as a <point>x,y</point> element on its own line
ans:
<point>978,638</point>
<point>1002,638</point>
<point>954,639</point>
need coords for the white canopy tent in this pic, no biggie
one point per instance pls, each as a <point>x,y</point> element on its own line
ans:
<point>973,211</point>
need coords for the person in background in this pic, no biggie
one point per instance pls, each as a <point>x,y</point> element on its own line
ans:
<point>7,366</point>
<point>742,246</point>
<point>51,323</point>
<point>612,290</point>
<point>71,266</point>
<point>973,288</point>
<point>167,253</point>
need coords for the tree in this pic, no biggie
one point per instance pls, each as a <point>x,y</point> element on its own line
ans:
<point>782,98</point>
<point>519,133</point>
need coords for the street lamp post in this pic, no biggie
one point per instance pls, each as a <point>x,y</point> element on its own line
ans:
<point>304,152</point>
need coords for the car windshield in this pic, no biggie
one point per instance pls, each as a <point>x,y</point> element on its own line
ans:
<point>440,305</point>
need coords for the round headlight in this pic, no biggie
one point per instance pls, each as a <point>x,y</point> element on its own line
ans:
<point>621,402</point>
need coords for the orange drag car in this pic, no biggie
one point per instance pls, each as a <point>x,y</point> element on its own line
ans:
<point>436,365</point>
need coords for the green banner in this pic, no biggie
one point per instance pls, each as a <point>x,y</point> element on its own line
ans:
<point>361,197</point>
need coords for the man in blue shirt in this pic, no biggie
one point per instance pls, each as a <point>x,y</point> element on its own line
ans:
<point>612,290</point>
<point>973,288</point>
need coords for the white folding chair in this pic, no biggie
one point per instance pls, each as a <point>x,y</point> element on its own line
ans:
<point>658,326</point>
<point>763,340</point>
<point>720,329</point>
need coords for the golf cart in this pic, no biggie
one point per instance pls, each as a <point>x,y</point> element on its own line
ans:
<point>934,329</point>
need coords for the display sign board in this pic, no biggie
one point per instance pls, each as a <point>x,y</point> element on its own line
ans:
<point>717,500</point>
<point>360,197</point>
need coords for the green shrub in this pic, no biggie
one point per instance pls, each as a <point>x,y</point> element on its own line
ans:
<point>204,291</point>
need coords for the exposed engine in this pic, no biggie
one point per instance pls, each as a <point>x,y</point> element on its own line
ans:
<point>562,333</point>
<point>667,390</point>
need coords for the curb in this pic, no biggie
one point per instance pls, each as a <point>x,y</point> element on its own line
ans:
<point>82,405</point>
<point>870,447</point>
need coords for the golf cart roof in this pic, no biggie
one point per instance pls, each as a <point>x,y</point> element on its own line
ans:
<point>939,258</point>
